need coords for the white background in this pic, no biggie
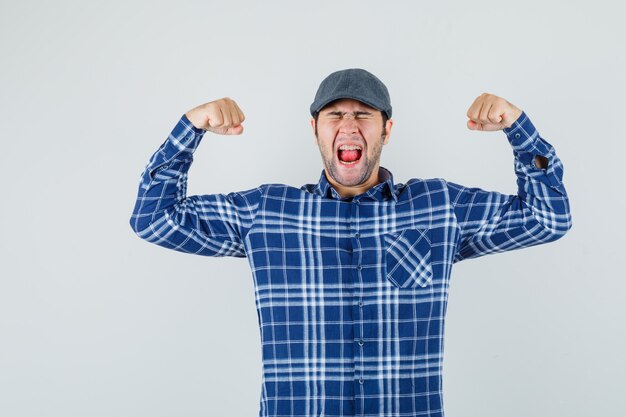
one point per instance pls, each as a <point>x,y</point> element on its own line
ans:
<point>96,322</point>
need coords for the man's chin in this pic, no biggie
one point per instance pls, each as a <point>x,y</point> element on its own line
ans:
<point>349,179</point>
<point>349,183</point>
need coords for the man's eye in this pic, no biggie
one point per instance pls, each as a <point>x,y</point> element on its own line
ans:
<point>341,116</point>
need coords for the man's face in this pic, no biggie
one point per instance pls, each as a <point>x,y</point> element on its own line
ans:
<point>350,136</point>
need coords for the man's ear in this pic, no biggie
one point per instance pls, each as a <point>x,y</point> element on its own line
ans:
<point>313,127</point>
<point>388,126</point>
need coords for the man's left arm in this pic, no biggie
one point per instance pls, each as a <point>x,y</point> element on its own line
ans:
<point>492,222</point>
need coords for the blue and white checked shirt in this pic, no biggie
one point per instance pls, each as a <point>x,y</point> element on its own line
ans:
<point>351,294</point>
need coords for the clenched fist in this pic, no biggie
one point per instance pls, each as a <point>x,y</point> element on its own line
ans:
<point>489,113</point>
<point>222,116</point>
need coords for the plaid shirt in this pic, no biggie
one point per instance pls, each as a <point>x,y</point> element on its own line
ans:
<point>351,293</point>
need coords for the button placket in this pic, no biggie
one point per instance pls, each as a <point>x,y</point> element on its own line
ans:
<point>358,309</point>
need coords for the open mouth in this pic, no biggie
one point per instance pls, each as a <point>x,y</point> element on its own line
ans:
<point>349,154</point>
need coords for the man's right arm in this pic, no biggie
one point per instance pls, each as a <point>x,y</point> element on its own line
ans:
<point>211,225</point>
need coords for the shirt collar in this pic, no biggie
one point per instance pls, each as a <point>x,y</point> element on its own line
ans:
<point>384,190</point>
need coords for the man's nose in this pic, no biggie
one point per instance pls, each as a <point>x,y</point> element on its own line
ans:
<point>348,123</point>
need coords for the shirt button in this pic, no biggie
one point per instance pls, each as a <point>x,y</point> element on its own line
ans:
<point>361,381</point>
<point>357,235</point>
<point>517,136</point>
<point>360,342</point>
<point>360,303</point>
<point>359,267</point>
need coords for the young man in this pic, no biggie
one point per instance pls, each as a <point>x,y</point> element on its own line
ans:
<point>351,274</point>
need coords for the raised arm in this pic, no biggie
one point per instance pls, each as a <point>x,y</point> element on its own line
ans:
<point>492,222</point>
<point>211,225</point>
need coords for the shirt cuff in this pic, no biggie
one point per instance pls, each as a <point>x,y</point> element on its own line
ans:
<point>178,147</point>
<point>522,134</point>
<point>184,120</point>
<point>526,142</point>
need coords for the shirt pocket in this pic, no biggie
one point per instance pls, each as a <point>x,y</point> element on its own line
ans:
<point>407,258</point>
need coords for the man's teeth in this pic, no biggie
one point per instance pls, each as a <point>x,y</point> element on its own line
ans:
<point>350,148</point>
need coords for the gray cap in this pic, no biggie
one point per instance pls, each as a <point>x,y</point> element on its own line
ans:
<point>354,83</point>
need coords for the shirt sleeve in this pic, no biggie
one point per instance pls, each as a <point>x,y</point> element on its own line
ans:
<point>491,222</point>
<point>210,225</point>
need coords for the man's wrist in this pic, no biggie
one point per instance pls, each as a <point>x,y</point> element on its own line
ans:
<point>189,123</point>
